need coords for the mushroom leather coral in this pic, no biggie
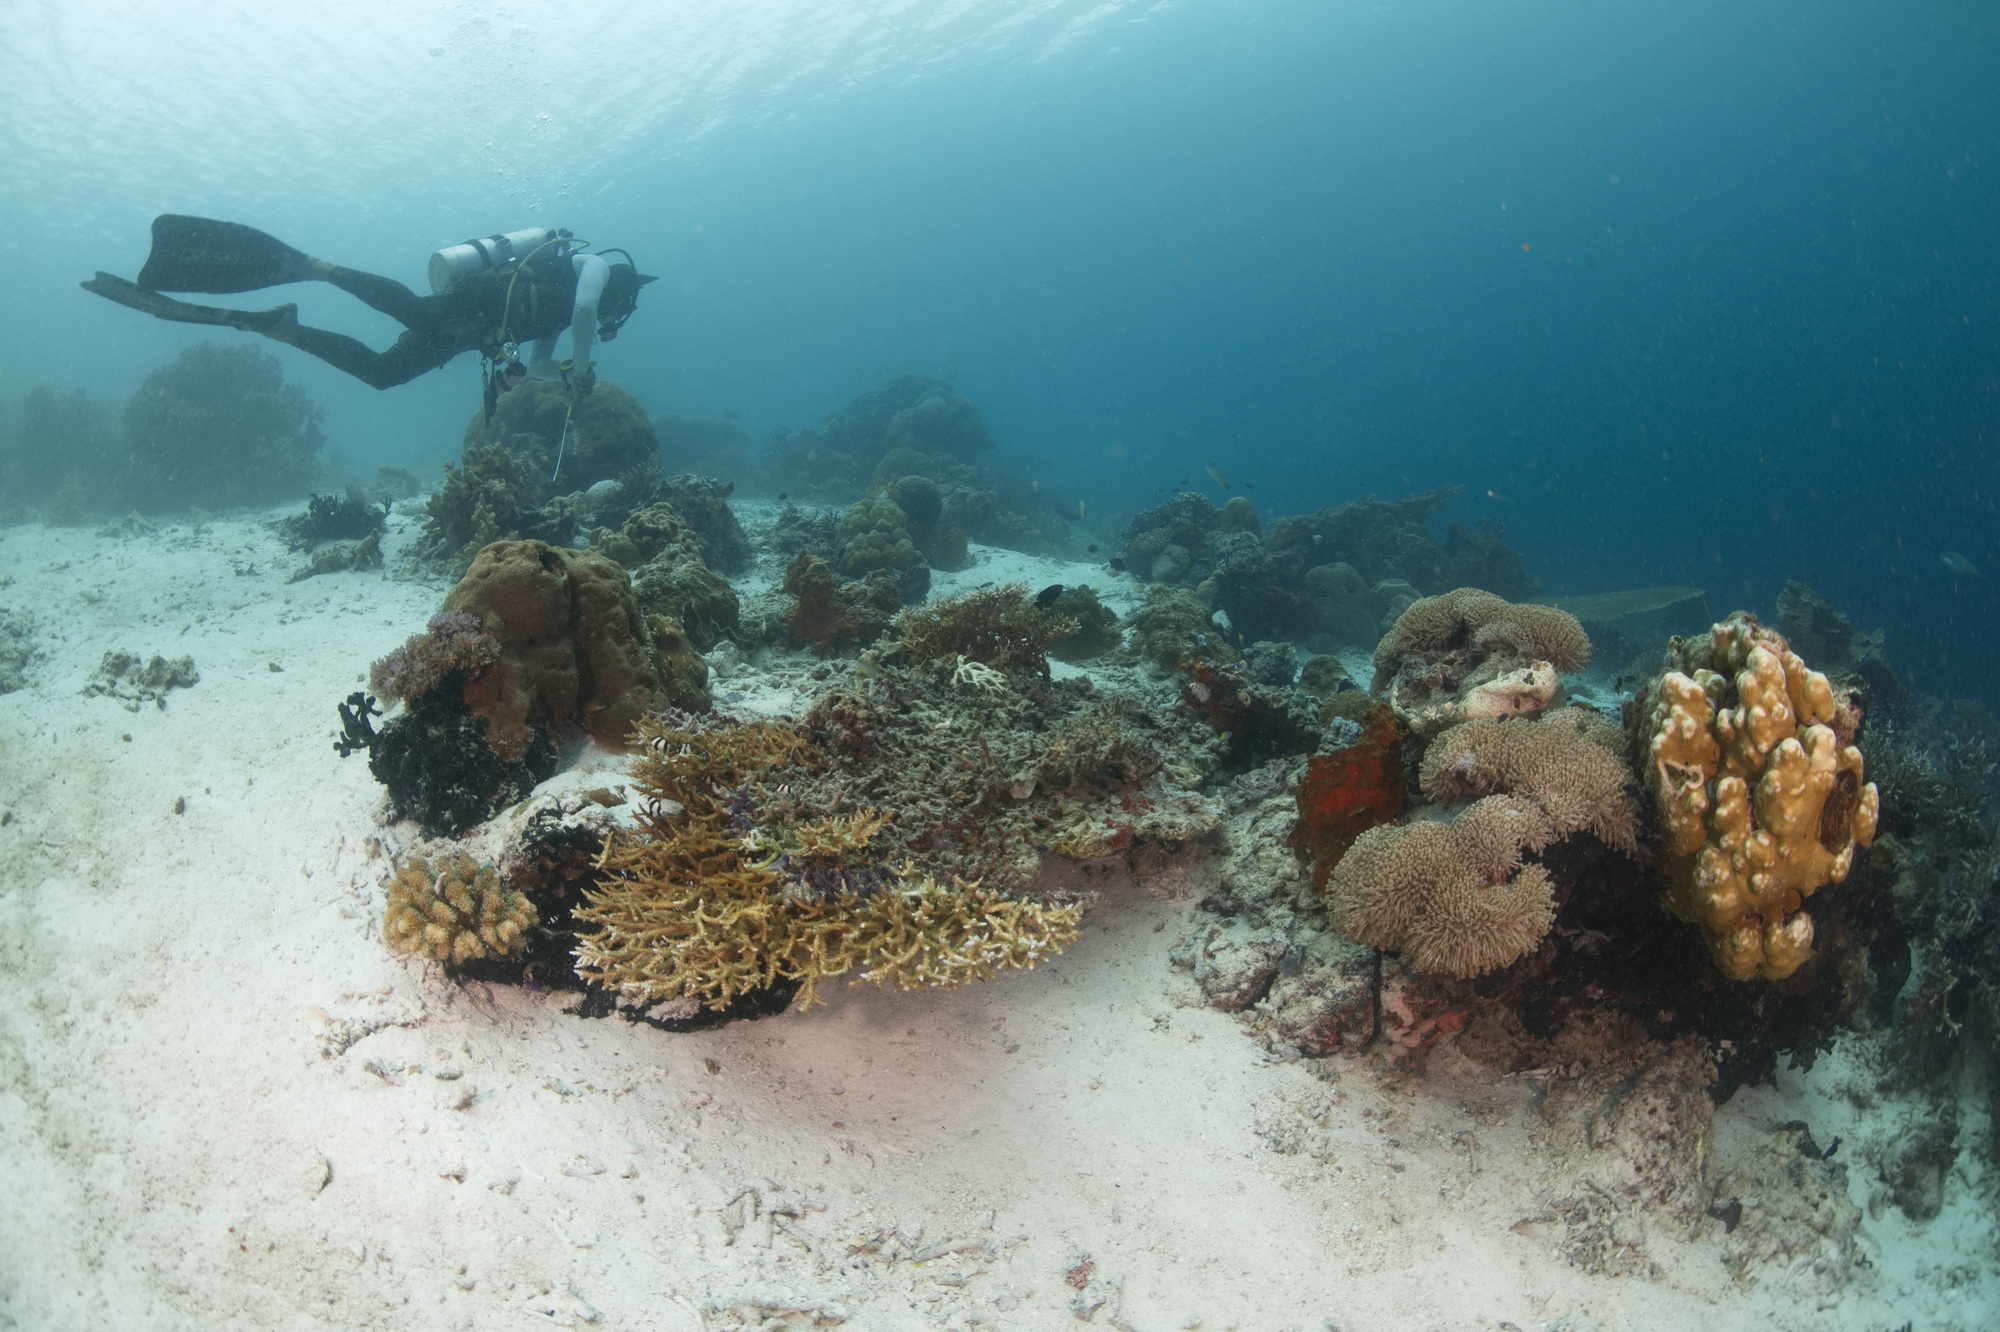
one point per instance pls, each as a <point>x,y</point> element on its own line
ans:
<point>1454,897</point>
<point>1470,618</point>
<point>572,644</point>
<point>1757,793</point>
<point>1454,894</point>
<point>456,911</point>
<point>696,905</point>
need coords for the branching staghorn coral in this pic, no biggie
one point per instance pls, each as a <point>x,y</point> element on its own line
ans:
<point>456,911</point>
<point>725,890</point>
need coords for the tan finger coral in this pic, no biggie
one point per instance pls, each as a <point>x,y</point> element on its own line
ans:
<point>456,911</point>
<point>1757,792</point>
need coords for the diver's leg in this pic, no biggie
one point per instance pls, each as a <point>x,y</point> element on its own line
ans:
<point>389,296</point>
<point>413,354</point>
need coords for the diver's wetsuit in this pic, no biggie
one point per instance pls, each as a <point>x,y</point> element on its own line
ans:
<point>484,311</point>
<point>469,317</point>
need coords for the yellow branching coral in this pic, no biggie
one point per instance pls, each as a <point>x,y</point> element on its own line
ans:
<point>456,912</point>
<point>724,891</point>
<point>1758,793</point>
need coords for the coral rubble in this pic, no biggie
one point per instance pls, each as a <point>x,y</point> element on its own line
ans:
<point>136,682</point>
<point>1748,758</point>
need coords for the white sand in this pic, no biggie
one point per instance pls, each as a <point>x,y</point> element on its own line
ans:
<point>223,1104</point>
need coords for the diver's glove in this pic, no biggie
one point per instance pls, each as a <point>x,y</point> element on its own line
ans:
<point>579,382</point>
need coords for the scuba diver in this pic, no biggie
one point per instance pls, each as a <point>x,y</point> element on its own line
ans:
<point>488,295</point>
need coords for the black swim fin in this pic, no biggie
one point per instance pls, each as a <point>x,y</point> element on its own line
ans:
<point>277,323</point>
<point>201,254</point>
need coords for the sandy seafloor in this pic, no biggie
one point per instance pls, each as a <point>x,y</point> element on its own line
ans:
<point>224,1104</point>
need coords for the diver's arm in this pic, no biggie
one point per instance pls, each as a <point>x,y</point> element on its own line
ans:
<point>591,273</point>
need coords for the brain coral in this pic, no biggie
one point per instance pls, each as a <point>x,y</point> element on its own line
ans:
<point>456,911</point>
<point>1757,791</point>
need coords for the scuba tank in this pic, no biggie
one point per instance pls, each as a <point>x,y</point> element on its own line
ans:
<point>481,253</point>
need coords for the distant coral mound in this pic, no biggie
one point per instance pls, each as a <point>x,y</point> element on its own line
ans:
<point>218,428</point>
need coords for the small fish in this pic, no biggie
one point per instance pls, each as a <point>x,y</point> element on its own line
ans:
<point>731,414</point>
<point>1047,596</point>
<point>1215,475</point>
<point>784,495</point>
<point>1249,485</point>
<point>1035,485</point>
<point>1960,566</point>
<point>1116,564</point>
<point>1091,548</point>
<point>1079,509</point>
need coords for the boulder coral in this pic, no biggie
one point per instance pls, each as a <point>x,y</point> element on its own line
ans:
<point>573,645</point>
<point>1757,792</point>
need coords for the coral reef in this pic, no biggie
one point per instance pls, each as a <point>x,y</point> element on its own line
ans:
<point>56,437</point>
<point>1170,627</point>
<point>919,423</point>
<point>455,911</point>
<point>218,427</point>
<point>687,591</point>
<point>985,780</point>
<point>341,557</point>
<point>1467,653</point>
<point>1818,632</point>
<point>572,645</point>
<point>998,627</point>
<point>716,448</point>
<point>873,536</point>
<point>1096,633</point>
<point>1757,787</point>
<point>721,894</point>
<point>609,433</point>
<point>481,501</point>
<point>434,761</point>
<point>832,616</point>
<point>1329,579</point>
<point>1352,785</point>
<point>136,682</point>
<point>683,674</point>
<point>703,504</point>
